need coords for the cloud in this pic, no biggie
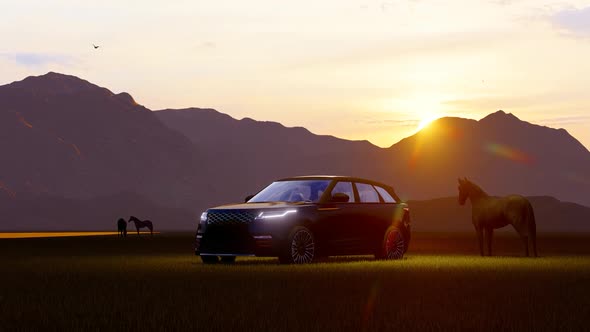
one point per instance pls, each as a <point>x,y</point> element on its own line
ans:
<point>399,123</point>
<point>207,44</point>
<point>502,2</point>
<point>575,21</point>
<point>38,59</point>
<point>492,102</point>
<point>565,120</point>
<point>409,48</point>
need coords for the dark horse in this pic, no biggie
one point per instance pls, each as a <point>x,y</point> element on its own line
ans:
<point>122,227</point>
<point>141,224</point>
<point>489,213</point>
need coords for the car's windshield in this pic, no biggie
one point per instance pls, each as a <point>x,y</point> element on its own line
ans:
<point>292,191</point>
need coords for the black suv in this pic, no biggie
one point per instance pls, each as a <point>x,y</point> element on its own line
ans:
<point>301,219</point>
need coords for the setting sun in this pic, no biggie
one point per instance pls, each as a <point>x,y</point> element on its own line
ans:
<point>426,120</point>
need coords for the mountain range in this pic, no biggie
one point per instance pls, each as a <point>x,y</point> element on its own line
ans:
<point>63,138</point>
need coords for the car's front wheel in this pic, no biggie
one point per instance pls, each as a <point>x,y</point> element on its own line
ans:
<point>228,259</point>
<point>299,247</point>
<point>393,245</point>
<point>207,259</point>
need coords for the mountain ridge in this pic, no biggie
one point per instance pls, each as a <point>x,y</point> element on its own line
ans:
<point>80,142</point>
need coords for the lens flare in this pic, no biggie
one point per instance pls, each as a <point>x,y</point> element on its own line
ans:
<point>22,120</point>
<point>371,302</point>
<point>76,150</point>
<point>509,153</point>
<point>436,133</point>
<point>10,193</point>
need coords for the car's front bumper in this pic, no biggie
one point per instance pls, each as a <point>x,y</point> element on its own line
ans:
<point>236,240</point>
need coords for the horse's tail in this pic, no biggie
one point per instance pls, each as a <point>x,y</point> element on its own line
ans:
<point>532,227</point>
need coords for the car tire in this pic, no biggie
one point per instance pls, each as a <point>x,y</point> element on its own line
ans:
<point>393,245</point>
<point>228,259</point>
<point>209,259</point>
<point>299,248</point>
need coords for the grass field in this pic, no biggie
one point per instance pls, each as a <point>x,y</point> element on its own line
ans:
<point>107,283</point>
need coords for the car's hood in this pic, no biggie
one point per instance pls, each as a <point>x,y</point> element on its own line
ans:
<point>258,206</point>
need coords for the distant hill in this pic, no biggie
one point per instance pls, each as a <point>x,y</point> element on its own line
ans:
<point>63,136</point>
<point>48,213</point>
<point>446,215</point>
<point>252,153</point>
<point>499,152</point>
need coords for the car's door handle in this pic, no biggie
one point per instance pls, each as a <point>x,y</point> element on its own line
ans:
<point>329,209</point>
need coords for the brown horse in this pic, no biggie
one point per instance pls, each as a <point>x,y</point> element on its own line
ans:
<point>122,227</point>
<point>141,224</point>
<point>489,213</point>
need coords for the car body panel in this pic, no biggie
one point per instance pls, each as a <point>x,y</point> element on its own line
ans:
<point>338,228</point>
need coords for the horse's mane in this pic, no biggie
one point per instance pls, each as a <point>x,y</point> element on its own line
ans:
<point>476,190</point>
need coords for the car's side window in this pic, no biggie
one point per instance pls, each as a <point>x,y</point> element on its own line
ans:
<point>345,188</point>
<point>387,198</point>
<point>367,193</point>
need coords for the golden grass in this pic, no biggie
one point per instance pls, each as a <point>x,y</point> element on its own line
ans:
<point>27,235</point>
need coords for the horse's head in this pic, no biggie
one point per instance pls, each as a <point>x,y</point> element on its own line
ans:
<point>464,188</point>
<point>131,218</point>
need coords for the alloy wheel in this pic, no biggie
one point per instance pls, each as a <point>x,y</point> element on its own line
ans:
<point>302,247</point>
<point>394,244</point>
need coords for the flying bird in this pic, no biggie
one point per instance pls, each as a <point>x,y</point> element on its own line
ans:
<point>95,46</point>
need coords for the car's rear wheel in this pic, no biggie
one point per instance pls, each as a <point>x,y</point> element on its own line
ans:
<point>207,259</point>
<point>393,245</point>
<point>299,247</point>
<point>228,259</point>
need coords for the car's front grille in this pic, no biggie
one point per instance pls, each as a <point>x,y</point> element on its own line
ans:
<point>230,217</point>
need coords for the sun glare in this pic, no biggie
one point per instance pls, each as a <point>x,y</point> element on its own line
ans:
<point>422,108</point>
<point>426,120</point>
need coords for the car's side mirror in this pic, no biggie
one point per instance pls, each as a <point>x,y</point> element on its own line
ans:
<point>249,197</point>
<point>340,198</point>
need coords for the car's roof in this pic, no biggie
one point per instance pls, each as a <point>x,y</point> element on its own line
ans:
<point>343,178</point>
<point>332,177</point>
<point>306,177</point>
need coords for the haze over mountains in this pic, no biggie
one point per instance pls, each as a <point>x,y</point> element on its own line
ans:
<point>65,138</point>
<point>499,152</point>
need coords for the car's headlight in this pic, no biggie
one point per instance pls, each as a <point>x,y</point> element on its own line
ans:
<point>203,218</point>
<point>274,214</point>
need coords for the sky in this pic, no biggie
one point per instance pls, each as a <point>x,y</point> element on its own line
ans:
<point>374,70</point>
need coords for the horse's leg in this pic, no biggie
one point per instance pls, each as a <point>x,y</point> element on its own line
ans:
<point>479,232</point>
<point>525,239</point>
<point>489,235</point>
<point>533,235</point>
